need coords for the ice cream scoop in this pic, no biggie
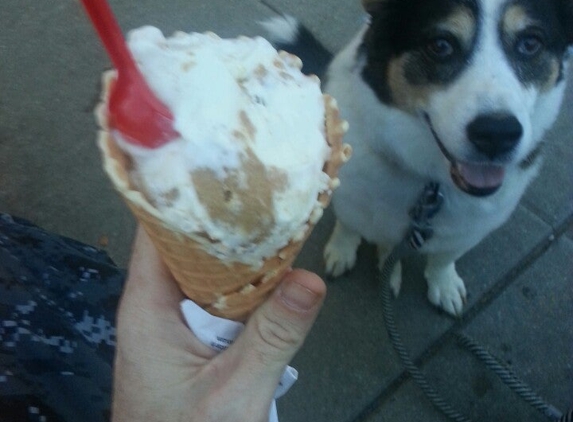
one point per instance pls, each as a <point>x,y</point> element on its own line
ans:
<point>133,109</point>
<point>230,202</point>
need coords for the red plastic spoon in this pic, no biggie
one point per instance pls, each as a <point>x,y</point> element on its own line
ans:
<point>134,110</point>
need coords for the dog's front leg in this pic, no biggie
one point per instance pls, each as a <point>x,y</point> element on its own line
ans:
<point>445,287</point>
<point>340,250</point>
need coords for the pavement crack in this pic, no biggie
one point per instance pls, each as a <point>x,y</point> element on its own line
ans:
<point>449,336</point>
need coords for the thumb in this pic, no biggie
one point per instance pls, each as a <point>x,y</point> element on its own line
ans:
<point>276,331</point>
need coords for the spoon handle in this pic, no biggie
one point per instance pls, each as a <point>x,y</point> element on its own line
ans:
<point>108,29</point>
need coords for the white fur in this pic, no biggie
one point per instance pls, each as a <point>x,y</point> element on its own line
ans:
<point>281,29</point>
<point>395,155</point>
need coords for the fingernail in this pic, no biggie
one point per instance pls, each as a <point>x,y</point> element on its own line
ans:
<point>298,297</point>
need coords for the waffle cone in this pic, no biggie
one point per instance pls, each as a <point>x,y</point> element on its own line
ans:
<point>230,290</point>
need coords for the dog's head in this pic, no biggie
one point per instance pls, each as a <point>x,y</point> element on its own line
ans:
<point>485,76</point>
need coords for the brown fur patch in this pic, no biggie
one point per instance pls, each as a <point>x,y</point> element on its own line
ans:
<point>515,19</point>
<point>553,77</point>
<point>542,70</point>
<point>462,24</point>
<point>405,95</point>
<point>411,96</point>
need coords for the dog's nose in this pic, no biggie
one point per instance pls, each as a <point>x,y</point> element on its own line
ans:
<point>495,134</point>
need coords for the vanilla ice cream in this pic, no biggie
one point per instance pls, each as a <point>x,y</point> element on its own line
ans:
<point>247,171</point>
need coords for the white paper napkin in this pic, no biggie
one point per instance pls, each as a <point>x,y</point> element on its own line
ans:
<point>219,333</point>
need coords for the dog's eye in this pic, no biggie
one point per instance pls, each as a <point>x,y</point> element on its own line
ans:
<point>440,48</point>
<point>529,45</point>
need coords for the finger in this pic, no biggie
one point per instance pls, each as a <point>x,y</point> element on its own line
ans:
<point>276,331</point>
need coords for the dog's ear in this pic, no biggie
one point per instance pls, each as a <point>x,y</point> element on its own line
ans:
<point>372,6</point>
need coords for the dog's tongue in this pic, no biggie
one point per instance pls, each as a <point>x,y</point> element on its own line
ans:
<point>481,176</point>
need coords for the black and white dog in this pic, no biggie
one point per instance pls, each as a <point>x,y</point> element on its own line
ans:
<point>459,92</point>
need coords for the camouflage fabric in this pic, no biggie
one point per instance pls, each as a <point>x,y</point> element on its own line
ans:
<point>58,299</point>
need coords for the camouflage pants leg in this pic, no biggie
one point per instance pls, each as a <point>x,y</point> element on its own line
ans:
<point>58,299</point>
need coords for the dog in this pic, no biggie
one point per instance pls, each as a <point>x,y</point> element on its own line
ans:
<point>457,92</point>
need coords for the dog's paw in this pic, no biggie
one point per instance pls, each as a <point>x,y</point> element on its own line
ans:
<point>339,258</point>
<point>448,292</point>
<point>340,251</point>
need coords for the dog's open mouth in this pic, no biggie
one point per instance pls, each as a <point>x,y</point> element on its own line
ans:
<point>477,179</point>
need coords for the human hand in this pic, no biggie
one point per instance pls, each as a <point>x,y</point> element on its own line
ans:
<point>164,373</point>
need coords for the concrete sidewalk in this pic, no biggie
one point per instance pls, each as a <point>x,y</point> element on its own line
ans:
<point>519,279</point>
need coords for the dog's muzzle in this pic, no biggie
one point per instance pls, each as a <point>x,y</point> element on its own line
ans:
<point>482,179</point>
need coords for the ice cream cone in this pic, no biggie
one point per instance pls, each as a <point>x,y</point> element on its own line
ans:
<point>227,289</point>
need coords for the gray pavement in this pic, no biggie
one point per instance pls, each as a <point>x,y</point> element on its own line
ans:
<point>519,279</point>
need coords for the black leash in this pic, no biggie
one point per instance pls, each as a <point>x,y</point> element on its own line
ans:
<point>420,231</point>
